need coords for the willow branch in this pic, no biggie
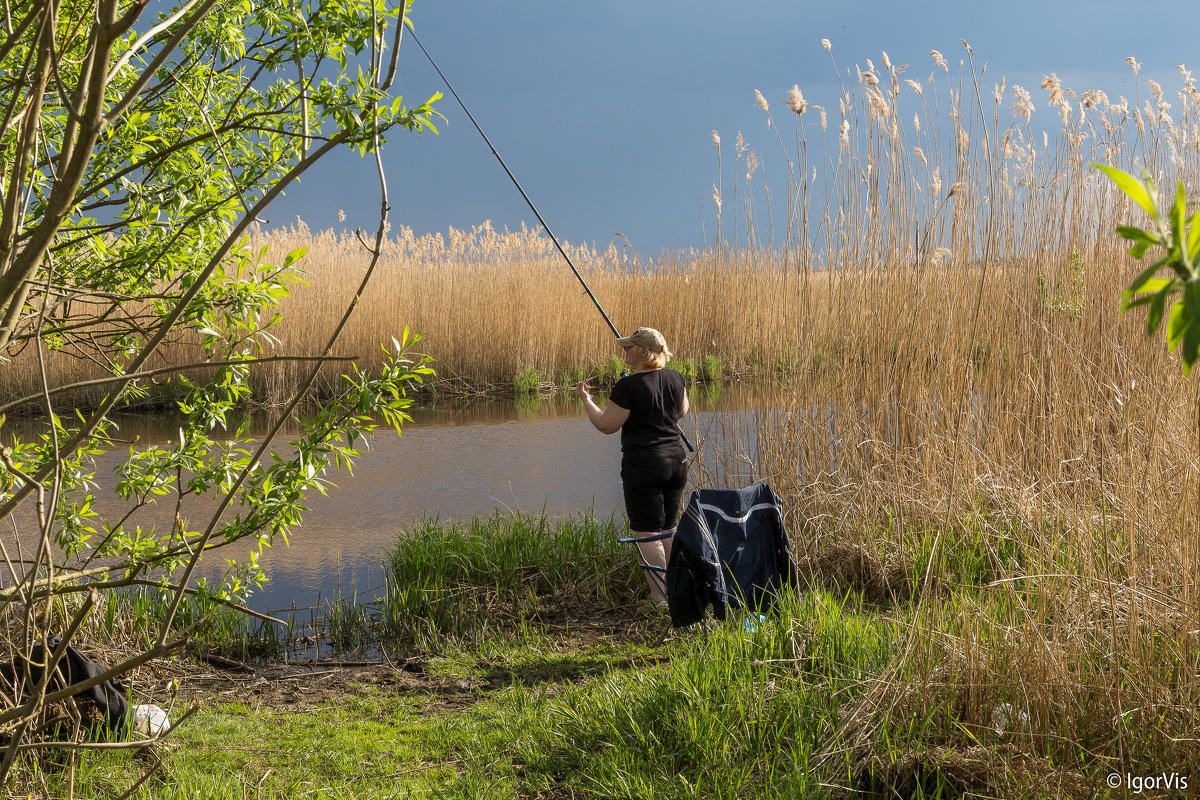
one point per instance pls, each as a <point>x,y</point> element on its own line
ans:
<point>163,371</point>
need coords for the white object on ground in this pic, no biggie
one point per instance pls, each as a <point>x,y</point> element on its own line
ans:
<point>1003,714</point>
<point>150,720</point>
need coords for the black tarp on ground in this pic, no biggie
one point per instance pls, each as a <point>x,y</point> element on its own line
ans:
<point>75,667</point>
<point>731,546</point>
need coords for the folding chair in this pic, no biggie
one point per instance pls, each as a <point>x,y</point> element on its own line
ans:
<point>657,574</point>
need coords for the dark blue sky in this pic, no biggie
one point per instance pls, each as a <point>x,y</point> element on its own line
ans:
<point>603,110</point>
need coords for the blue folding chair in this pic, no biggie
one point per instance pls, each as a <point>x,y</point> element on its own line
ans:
<point>657,574</point>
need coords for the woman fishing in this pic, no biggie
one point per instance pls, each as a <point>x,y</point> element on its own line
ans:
<point>646,406</point>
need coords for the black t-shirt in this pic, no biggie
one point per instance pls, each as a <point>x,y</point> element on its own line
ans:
<point>654,400</point>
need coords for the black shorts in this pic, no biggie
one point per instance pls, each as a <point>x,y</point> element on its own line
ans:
<point>653,482</point>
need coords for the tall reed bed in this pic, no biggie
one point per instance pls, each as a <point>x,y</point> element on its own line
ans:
<point>998,448</point>
<point>914,189</point>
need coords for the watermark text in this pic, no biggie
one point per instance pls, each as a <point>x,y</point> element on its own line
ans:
<point>1136,784</point>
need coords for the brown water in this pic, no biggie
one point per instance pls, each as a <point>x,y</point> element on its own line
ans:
<point>454,461</point>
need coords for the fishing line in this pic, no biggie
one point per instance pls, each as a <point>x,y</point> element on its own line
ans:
<point>532,207</point>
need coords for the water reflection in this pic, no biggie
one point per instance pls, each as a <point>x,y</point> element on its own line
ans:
<point>455,460</point>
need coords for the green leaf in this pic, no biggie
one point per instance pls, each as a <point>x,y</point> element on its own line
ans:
<point>1155,315</point>
<point>1177,324</point>
<point>1136,234</point>
<point>1155,285</point>
<point>1191,297</point>
<point>294,256</point>
<point>1191,348</point>
<point>1143,240</point>
<point>1143,277</point>
<point>1132,302</point>
<point>1193,242</point>
<point>1178,228</point>
<point>1131,187</point>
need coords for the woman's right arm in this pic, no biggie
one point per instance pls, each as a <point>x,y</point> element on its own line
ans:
<point>683,412</point>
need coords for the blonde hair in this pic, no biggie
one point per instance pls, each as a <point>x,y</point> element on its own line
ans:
<point>658,360</point>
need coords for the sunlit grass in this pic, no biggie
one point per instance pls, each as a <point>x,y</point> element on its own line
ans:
<point>448,580</point>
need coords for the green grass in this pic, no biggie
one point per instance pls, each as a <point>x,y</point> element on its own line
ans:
<point>543,675</point>
<point>447,581</point>
<point>720,712</point>
<point>729,714</point>
<point>356,748</point>
<point>139,612</point>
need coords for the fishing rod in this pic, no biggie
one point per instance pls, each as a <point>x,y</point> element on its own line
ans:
<point>532,207</point>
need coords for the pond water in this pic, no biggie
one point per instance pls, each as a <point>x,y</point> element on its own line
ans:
<point>454,461</point>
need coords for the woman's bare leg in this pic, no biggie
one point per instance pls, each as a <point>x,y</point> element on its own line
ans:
<point>654,554</point>
<point>666,543</point>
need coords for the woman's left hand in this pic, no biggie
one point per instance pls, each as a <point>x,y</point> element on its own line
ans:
<point>583,390</point>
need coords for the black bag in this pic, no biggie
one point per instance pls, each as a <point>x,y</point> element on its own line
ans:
<point>75,667</point>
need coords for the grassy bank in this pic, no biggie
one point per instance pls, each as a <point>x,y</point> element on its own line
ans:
<point>537,711</point>
<point>445,583</point>
<point>532,669</point>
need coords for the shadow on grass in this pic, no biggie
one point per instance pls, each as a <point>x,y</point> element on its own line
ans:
<point>562,669</point>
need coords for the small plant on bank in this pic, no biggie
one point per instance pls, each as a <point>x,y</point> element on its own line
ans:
<point>711,368</point>
<point>527,381</point>
<point>686,367</point>
<point>611,370</point>
<point>572,376</point>
<point>1065,297</point>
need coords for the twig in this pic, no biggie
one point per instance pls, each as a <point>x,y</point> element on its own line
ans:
<point>221,661</point>
<point>167,370</point>
<point>131,745</point>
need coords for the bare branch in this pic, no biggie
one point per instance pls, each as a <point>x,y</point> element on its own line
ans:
<point>13,284</point>
<point>49,586</point>
<point>395,56</point>
<point>136,745</point>
<point>164,371</point>
<point>121,583</point>
<point>120,26</point>
<point>298,395</point>
<point>10,218</point>
<point>146,37</point>
<point>176,39</point>
<point>14,35</point>
<point>11,116</point>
